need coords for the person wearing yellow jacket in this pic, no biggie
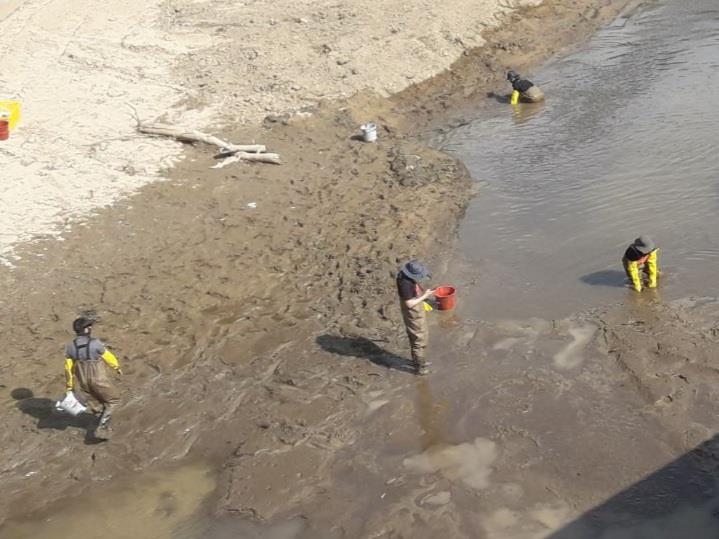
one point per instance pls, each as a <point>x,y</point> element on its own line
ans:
<point>642,253</point>
<point>523,89</point>
<point>86,363</point>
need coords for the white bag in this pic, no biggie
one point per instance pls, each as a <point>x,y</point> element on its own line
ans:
<point>70,404</point>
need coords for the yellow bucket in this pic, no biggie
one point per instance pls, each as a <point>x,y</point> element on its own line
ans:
<point>12,106</point>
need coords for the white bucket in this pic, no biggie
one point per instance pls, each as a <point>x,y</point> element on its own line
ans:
<point>369,132</point>
<point>70,404</point>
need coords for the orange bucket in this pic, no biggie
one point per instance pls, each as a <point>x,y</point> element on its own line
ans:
<point>446,299</point>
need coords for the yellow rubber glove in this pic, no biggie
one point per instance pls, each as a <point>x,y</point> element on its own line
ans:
<point>69,376</point>
<point>515,98</point>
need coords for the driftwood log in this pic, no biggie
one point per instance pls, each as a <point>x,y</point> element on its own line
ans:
<point>233,152</point>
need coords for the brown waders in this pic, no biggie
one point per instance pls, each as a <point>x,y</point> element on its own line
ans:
<point>91,376</point>
<point>415,321</point>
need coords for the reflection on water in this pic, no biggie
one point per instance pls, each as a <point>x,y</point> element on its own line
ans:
<point>430,415</point>
<point>624,145</point>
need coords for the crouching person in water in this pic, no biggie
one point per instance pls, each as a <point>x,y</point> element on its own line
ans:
<point>86,362</point>
<point>523,89</point>
<point>411,300</point>
<point>642,253</point>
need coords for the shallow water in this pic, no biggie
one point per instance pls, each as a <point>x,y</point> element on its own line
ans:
<point>162,504</point>
<point>625,145</point>
<point>151,505</point>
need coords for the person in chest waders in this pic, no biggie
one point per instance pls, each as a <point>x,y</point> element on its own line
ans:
<point>523,89</point>
<point>642,253</point>
<point>86,363</point>
<point>411,299</point>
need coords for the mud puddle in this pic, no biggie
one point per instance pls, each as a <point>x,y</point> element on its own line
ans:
<point>623,146</point>
<point>163,504</point>
<point>156,505</point>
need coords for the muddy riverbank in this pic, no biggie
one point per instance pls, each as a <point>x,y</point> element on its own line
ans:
<point>253,310</point>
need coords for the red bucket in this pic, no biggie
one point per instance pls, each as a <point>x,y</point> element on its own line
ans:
<point>4,129</point>
<point>446,299</point>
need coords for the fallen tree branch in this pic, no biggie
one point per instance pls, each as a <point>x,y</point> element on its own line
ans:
<point>185,135</point>
<point>273,158</point>
<point>245,152</point>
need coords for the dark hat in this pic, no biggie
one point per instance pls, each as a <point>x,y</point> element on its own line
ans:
<point>415,270</point>
<point>512,75</point>
<point>644,244</point>
<point>80,324</point>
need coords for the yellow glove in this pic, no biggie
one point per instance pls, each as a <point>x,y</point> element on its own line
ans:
<point>515,98</point>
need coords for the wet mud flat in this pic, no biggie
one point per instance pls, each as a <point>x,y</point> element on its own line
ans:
<point>265,340</point>
<point>609,430</point>
<point>598,425</point>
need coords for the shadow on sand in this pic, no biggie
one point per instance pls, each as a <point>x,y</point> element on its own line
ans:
<point>680,500</point>
<point>43,409</point>
<point>362,347</point>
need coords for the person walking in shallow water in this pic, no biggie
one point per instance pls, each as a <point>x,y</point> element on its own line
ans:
<point>86,362</point>
<point>412,303</point>
<point>523,89</point>
<point>641,254</point>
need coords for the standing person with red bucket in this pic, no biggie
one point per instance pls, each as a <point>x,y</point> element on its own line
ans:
<point>412,302</point>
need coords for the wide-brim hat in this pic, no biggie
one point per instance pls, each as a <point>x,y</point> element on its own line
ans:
<point>644,244</point>
<point>415,270</point>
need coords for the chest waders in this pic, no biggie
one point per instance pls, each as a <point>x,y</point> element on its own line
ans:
<point>415,322</point>
<point>91,375</point>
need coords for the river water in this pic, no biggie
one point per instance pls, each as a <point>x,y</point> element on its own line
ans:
<point>624,145</point>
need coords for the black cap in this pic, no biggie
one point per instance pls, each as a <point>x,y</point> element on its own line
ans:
<point>80,324</point>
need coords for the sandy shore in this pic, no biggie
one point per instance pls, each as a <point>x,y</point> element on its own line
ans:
<point>232,295</point>
<point>83,76</point>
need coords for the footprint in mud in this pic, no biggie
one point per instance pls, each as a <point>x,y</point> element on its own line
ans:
<point>470,463</point>
<point>570,356</point>
<point>436,499</point>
